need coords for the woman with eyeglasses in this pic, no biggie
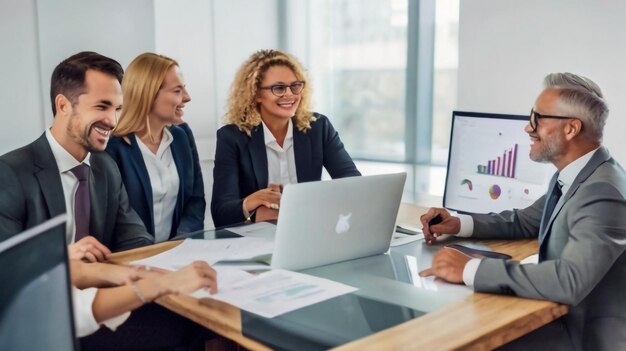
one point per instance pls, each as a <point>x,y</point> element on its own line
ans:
<point>271,139</point>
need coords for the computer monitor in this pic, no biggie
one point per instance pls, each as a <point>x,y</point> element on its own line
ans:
<point>35,299</point>
<point>489,169</point>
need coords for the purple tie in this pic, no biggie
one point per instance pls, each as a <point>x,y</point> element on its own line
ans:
<point>81,201</point>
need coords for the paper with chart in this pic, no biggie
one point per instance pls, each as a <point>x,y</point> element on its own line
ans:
<point>276,292</point>
<point>211,251</point>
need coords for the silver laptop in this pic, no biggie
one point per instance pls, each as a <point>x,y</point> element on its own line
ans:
<point>336,220</point>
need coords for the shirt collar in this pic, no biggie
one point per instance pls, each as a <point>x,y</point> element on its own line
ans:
<point>166,141</point>
<point>65,161</point>
<point>570,172</point>
<point>270,139</point>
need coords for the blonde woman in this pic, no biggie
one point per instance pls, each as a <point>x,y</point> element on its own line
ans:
<point>157,159</point>
<point>272,138</point>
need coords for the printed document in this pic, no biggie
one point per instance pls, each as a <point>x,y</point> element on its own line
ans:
<point>276,292</point>
<point>211,251</point>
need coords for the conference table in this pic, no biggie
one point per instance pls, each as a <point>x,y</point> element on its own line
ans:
<point>393,307</point>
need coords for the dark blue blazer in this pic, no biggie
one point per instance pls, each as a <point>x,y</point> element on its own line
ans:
<point>241,164</point>
<point>190,205</point>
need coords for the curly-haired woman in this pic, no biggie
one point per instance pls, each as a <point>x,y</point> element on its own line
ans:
<point>272,138</point>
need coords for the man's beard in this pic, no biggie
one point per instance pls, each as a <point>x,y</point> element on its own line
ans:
<point>550,147</point>
<point>82,138</point>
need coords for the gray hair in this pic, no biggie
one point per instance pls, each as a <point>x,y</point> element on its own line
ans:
<point>582,98</point>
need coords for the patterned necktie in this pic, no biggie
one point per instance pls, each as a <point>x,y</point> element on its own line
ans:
<point>551,201</point>
<point>81,201</point>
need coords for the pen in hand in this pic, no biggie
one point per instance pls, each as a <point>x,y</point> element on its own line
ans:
<point>435,220</point>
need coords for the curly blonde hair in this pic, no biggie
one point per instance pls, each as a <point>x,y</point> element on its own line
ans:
<point>243,108</point>
<point>140,86</point>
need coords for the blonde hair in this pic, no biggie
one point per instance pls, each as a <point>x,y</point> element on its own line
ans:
<point>242,105</point>
<point>140,86</point>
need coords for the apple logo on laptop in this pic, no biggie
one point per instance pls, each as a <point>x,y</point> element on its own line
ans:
<point>343,223</point>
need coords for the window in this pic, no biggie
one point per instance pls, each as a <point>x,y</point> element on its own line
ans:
<point>384,72</point>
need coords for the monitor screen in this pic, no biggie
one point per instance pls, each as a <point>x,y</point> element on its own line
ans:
<point>489,169</point>
<point>35,299</point>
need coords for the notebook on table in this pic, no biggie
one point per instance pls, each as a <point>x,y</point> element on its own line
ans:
<point>330,221</point>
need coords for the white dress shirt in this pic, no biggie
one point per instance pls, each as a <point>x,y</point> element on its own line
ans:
<point>65,162</point>
<point>566,178</point>
<point>281,161</point>
<point>164,181</point>
<point>84,321</point>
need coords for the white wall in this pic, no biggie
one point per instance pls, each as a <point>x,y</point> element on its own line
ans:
<point>70,26</point>
<point>20,101</point>
<point>506,47</point>
<point>210,40</point>
<point>36,35</point>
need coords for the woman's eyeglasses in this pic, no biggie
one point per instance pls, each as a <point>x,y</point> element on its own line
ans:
<point>281,89</point>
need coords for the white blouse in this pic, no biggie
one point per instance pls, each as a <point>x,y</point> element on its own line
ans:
<point>281,162</point>
<point>84,321</point>
<point>164,182</point>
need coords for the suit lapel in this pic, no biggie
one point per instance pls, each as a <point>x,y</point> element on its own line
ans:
<point>302,155</point>
<point>49,177</point>
<point>142,173</point>
<point>258,155</point>
<point>178,148</point>
<point>601,156</point>
<point>544,228</point>
<point>98,191</point>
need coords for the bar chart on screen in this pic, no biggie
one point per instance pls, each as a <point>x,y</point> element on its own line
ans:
<point>489,168</point>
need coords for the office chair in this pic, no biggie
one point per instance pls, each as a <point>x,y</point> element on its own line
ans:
<point>35,299</point>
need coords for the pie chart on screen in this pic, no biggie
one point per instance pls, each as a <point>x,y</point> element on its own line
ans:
<point>495,192</point>
<point>470,186</point>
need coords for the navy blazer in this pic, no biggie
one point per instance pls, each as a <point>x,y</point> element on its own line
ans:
<point>31,192</point>
<point>241,164</point>
<point>190,204</point>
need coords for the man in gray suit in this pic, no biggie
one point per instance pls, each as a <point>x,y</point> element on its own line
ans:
<point>580,224</point>
<point>37,181</point>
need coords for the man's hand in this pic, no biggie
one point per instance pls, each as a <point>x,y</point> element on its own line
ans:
<point>88,249</point>
<point>448,264</point>
<point>449,224</point>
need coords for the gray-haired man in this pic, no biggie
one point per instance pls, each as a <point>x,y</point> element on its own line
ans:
<point>580,224</point>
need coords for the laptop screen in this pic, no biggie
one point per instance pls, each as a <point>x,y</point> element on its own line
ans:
<point>489,169</point>
<point>35,298</point>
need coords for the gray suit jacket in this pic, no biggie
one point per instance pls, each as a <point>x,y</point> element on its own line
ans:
<point>31,192</point>
<point>585,264</point>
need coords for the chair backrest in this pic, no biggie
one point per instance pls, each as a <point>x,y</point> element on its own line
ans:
<point>35,299</point>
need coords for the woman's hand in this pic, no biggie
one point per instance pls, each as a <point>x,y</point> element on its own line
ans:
<point>186,280</point>
<point>268,197</point>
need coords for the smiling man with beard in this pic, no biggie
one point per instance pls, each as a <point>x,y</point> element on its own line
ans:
<point>43,179</point>
<point>580,224</point>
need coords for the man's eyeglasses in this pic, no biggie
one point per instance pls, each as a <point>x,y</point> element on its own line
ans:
<point>535,116</point>
<point>281,89</point>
